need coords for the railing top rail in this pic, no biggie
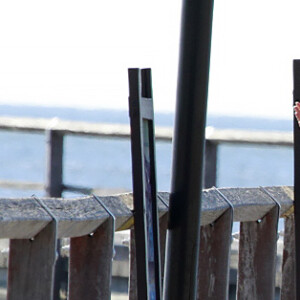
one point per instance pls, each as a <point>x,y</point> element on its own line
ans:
<point>24,217</point>
<point>214,135</point>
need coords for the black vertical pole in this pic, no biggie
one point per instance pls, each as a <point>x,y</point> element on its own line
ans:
<point>188,151</point>
<point>54,184</point>
<point>297,176</point>
<point>146,221</point>
<point>54,188</point>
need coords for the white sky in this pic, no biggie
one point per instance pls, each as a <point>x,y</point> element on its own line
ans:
<point>76,53</point>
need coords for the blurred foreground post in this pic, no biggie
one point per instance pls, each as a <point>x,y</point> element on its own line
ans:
<point>188,150</point>
<point>297,176</point>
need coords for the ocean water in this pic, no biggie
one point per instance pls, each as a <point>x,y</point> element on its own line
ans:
<point>106,163</point>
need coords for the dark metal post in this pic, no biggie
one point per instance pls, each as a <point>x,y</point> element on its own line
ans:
<point>54,184</point>
<point>54,188</point>
<point>210,165</point>
<point>297,175</point>
<point>188,151</point>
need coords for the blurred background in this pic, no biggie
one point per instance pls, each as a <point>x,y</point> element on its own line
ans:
<point>69,59</point>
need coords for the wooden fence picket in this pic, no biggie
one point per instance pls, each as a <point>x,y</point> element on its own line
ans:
<point>31,265</point>
<point>34,230</point>
<point>90,264</point>
<point>214,256</point>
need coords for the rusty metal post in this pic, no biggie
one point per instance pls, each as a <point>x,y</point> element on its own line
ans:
<point>183,236</point>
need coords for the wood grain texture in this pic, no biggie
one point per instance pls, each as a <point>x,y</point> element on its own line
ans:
<point>21,218</point>
<point>214,255</point>
<point>250,204</point>
<point>257,254</point>
<point>118,208</point>
<point>127,199</point>
<point>31,266</point>
<point>211,198</point>
<point>24,218</point>
<point>91,264</point>
<point>288,286</point>
<point>76,217</point>
<point>284,195</point>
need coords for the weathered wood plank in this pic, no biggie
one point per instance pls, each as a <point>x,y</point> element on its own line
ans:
<point>91,264</point>
<point>288,286</point>
<point>212,198</point>
<point>257,254</point>
<point>284,195</point>
<point>76,217</point>
<point>214,255</point>
<point>117,207</point>
<point>22,218</point>
<point>127,199</point>
<point>250,204</point>
<point>31,266</point>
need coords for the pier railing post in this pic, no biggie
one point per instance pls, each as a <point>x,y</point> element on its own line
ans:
<point>54,188</point>
<point>210,164</point>
<point>54,184</point>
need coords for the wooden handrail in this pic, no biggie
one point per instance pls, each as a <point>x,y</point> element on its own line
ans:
<point>56,129</point>
<point>80,216</point>
<point>214,135</point>
<point>89,222</point>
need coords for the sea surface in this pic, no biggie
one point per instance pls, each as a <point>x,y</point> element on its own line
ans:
<point>106,163</point>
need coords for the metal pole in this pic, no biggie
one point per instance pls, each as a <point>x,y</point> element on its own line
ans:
<point>297,176</point>
<point>188,151</point>
<point>54,188</point>
<point>210,164</point>
<point>54,184</point>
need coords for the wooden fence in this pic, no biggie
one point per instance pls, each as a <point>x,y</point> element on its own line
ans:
<point>33,226</point>
<point>56,129</point>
